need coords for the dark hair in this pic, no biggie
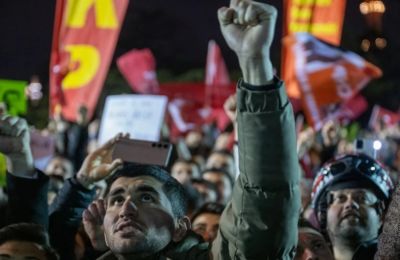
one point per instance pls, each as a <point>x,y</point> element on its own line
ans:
<point>304,223</point>
<point>182,160</point>
<point>172,188</point>
<point>28,232</point>
<point>222,152</point>
<point>218,170</point>
<point>210,207</point>
<point>209,184</point>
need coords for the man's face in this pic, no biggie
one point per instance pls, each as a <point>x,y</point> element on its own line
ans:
<point>206,225</point>
<point>312,245</point>
<point>223,185</point>
<point>182,172</point>
<point>221,161</point>
<point>21,250</point>
<point>139,218</point>
<point>207,194</point>
<point>59,167</point>
<point>352,215</point>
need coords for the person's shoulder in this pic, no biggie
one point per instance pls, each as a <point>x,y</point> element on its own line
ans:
<point>366,251</point>
<point>107,256</point>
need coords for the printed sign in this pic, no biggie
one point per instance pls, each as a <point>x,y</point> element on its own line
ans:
<point>12,93</point>
<point>141,116</point>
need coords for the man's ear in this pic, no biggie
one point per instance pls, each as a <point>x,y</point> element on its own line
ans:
<point>380,208</point>
<point>105,240</point>
<point>182,226</point>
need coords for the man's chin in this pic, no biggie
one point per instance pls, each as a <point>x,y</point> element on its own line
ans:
<point>128,246</point>
<point>352,231</point>
<point>351,221</point>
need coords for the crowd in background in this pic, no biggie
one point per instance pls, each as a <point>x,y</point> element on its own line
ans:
<point>346,193</point>
<point>205,163</point>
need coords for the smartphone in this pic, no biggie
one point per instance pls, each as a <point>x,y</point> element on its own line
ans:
<point>368,147</point>
<point>143,152</point>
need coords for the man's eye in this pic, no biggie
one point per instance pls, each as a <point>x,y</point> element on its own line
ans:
<point>147,198</point>
<point>117,200</point>
<point>340,198</point>
<point>199,229</point>
<point>318,245</point>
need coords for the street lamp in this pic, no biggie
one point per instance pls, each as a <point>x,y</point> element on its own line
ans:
<point>373,11</point>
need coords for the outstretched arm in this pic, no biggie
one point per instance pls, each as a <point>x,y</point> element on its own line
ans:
<point>260,222</point>
<point>26,187</point>
<point>77,194</point>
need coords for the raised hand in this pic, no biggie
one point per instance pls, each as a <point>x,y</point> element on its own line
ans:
<point>15,144</point>
<point>230,107</point>
<point>99,164</point>
<point>248,27</point>
<point>93,218</point>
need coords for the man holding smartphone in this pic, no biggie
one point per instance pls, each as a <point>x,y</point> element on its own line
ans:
<point>144,210</point>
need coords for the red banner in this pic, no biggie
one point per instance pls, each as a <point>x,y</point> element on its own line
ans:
<point>139,69</point>
<point>84,37</point>
<point>381,116</point>
<point>321,18</point>
<point>327,76</point>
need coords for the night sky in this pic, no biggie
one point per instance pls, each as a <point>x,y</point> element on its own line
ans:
<point>176,31</point>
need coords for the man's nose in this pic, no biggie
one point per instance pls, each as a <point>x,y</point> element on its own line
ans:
<point>351,203</point>
<point>209,235</point>
<point>309,255</point>
<point>128,209</point>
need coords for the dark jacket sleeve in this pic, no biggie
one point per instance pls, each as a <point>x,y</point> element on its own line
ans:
<point>389,239</point>
<point>260,222</point>
<point>66,216</point>
<point>27,199</point>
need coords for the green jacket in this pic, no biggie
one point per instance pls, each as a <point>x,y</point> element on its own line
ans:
<point>260,222</point>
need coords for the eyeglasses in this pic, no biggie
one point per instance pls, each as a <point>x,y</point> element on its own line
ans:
<point>359,196</point>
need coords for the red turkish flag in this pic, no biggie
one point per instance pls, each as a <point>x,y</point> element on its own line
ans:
<point>139,69</point>
<point>186,106</point>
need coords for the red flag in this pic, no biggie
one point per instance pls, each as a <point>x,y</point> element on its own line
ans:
<point>186,106</point>
<point>327,75</point>
<point>352,108</point>
<point>218,85</point>
<point>216,72</point>
<point>84,38</point>
<point>139,69</point>
<point>380,115</point>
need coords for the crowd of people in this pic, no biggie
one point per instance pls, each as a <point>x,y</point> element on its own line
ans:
<point>261,189</point>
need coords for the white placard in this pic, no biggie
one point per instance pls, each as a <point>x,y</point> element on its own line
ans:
<point>141,116</point>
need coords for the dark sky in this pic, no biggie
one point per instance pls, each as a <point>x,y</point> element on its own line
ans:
<point>177,31</point>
